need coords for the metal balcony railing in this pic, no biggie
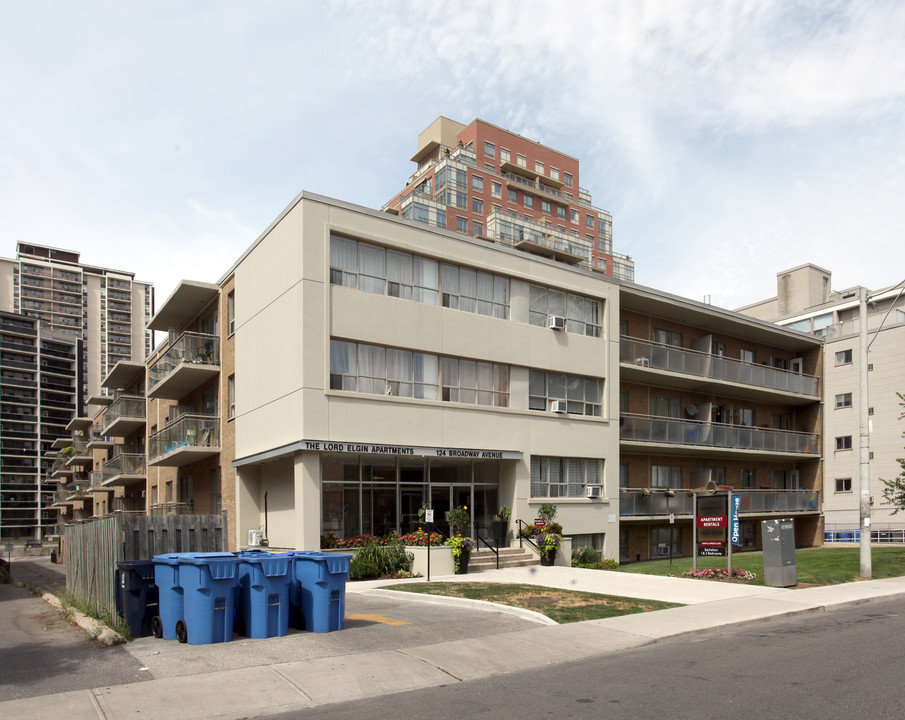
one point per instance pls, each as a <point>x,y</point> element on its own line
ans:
<point>673,431</point>
<point>131,406</point>
<point>171,508</point>
<point>654,501</point>
<point>643,353</point>
<point>124,464</point>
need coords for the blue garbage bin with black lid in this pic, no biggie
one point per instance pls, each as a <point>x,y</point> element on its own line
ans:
<point>170,603</point>
<point>319,590</point>
<point>262,598</point>
<point>209,582</point>
<point>137,595</point>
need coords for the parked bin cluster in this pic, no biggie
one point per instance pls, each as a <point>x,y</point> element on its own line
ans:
<point>202,598</point>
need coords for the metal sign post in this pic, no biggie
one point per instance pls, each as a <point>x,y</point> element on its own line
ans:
<point>429,519</point>
<point>9,557</point>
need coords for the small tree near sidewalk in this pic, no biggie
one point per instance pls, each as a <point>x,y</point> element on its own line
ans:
<point>894,490</point>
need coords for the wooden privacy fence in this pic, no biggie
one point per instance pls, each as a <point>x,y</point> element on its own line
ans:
<point>93,547</point>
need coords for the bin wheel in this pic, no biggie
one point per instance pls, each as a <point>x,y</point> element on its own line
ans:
<point>298,619</point>
<point>182,633</point>
<point>157,626</point>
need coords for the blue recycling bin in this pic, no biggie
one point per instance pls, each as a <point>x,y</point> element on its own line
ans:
<point>171,605</point>
<point>208,582</point>
<point>262,597</point>
<point>319,590</point>
<point>136,595</point>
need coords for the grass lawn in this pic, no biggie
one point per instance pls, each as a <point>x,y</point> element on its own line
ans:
<point>563,606</point>
<point>816,566</point>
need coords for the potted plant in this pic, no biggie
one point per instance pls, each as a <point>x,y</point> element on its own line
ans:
<point>547,544</point>
<point>461,552</point>
<point>500,524</point>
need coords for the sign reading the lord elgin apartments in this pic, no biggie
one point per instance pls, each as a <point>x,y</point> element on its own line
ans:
<point>410,450</point>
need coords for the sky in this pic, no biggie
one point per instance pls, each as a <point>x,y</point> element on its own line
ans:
<point>730,140</point>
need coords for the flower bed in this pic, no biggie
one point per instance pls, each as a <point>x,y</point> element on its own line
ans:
<point>415,539</point>
<point>720,574</point>
<point>532,531</point>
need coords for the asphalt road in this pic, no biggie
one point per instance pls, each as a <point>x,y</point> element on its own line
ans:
<point>842,664</point>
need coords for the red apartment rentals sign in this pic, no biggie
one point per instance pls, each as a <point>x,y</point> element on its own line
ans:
<point>713,524</point>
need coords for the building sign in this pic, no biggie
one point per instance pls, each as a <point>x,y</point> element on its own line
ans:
<point>410,450</point>
<point>712,524</point>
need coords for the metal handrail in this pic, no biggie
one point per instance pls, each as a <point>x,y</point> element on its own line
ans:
<point>493,548</point>
<point>527,540</point>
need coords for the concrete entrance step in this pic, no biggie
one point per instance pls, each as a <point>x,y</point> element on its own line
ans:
<point>484,560</point>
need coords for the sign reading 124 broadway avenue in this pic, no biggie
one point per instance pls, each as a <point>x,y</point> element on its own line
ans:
<point>411,450</point>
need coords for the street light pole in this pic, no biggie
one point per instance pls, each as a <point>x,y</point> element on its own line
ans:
<point>864,447</point>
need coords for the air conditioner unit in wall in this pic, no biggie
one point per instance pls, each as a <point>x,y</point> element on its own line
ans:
<point>255,537</point>
<point>663,549</point>
<point>593,491</point>
<point>559,406</point>
<point>643,362</point>
<point>555,322</point>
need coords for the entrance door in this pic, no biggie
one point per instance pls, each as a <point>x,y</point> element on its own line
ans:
<point>446,497</point>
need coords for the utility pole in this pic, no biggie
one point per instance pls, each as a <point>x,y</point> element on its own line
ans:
<point>864,446</point>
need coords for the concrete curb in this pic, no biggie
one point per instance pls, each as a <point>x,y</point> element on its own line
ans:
<point>468,603</point>
<point>95,628</point>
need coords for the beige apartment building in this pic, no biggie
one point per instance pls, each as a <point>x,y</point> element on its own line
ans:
<point>353,366</point>
<point>806,301</point>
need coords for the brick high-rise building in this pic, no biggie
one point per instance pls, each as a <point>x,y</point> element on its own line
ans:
<point>482,180</point>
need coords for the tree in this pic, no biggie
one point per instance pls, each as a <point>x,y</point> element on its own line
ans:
<point>894,492</point>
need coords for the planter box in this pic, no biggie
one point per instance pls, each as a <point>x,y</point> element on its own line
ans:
<point>441,560</point>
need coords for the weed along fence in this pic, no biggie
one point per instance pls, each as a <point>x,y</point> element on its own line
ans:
<point>93,547</point>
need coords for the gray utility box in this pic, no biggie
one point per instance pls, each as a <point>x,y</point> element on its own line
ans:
<point>779,552</point>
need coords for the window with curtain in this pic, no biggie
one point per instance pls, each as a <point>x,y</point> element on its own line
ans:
<point>564,477</point>
<point>583,314</point>
<point>583,395</point>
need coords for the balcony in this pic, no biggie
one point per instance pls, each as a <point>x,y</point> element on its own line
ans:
<point>98,441</point>
<point>59,471</point>
<point>688,437</point>
<point>76,490</point>
<point>125,415</point>
<point>192,360</point>
<point>77,454</point>
<point>124,469</point>
<point>655,503</point>
<point>96,482</point>
<point>187,440</point>
<point>61,499</point>
<point>171,508</point>
<point>128,506</point>
<point>640,359</point>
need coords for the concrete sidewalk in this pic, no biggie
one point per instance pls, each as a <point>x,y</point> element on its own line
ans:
<point>272,687</point>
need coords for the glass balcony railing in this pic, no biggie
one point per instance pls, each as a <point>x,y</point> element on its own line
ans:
<point>128,464</point>
<point>643,353</point>
<point>673,431</point>
<point>189,431</point>
<point>190,351</point>
<point>655,501</point>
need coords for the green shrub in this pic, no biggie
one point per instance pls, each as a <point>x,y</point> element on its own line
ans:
<point>584,556</point>
<point>373,561</point>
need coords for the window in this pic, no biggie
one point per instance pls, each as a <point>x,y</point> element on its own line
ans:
<point>718,348</point>
<point>564,477</point>
<point>560,212</point>
<point>844,357</point>
<point>844,442</point>
<point>538,167</point>
<point>489,149</point>
<point>844,400</point>
<point>582,394</point>
<point>749,478</point>
<point>746,416</point>
<point>477,183</point>
<point>489,166</point>
<point>477,206</point>
<point>512,195</point>
<point>666,337</point>
<point>504,155</point>
<point>474,291</point>
<point>567,179</point>
<point>378,370</point>
<point>521,160</point>
<point>477,228</point>
<point>589,221</point>
<point>665,407</point>
<point>583,315</point>
<point>546,207</point>
<point>746,356</point>
<point>527,200</point>
<point>666,476</point>
<point>623,475</point>
<point>575,216</point>
<point>496,189</point>
<point>441,218</point>
<point>843,485</point>
<point>601,264</point>
<point>231,311</point>
<point>554,173</point>
<point>461,224</point>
